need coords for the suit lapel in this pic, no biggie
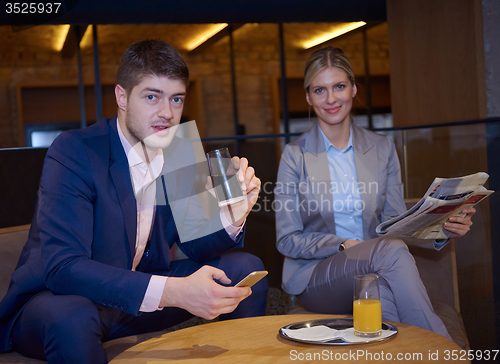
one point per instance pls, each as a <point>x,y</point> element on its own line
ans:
<point>366,157</point>
<point>316,163</point>
<point>120,174</point>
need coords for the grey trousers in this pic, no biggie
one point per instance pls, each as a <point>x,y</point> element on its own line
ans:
<point>402,294</point>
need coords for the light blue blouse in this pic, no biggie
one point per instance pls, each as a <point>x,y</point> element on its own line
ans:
<point>347,203</point>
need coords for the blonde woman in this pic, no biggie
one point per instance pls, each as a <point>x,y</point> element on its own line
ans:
<point>335,184</point>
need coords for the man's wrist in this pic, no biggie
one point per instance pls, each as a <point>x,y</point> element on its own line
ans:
<point>233,231</point>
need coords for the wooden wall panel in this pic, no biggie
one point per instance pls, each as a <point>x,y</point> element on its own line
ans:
<point>437,61</point>
<point>437,76</point>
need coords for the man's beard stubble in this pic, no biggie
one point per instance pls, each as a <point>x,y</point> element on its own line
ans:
<point>152,141</point>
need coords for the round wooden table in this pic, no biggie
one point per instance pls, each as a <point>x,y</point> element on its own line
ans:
<point>256,340</point>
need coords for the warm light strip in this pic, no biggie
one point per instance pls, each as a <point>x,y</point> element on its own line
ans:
<point>205,36</point>
<point>59,40</point>
<point>339,31</point>
<point>87,38</point>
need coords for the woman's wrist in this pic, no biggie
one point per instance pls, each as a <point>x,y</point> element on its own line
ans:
<point>350,243</point>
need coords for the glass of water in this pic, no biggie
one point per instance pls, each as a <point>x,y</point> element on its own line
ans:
<point>226,184</point>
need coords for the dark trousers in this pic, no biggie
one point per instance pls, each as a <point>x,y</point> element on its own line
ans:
<point>71,329</point>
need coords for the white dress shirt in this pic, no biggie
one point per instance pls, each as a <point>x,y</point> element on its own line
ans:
<point>144,177</point>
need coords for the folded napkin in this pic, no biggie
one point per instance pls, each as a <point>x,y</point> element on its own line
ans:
<point>322,333</point>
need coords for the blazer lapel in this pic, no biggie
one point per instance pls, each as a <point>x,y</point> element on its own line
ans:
<point>318,171</point>
<point>120,174</point>
<point>365,155</point>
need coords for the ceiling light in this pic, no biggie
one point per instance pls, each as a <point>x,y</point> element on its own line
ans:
<point>87,38</point>
<point>344,28</point>
<point>60,38</point>
<point>201,38</point>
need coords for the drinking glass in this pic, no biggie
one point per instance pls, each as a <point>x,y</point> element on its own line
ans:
<point>367,313</point>
<point>226,184</point>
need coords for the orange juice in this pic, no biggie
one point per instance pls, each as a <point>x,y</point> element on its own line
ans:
<point>367,316</point>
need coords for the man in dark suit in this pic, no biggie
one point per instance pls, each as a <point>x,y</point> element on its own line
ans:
<point>97,264</point>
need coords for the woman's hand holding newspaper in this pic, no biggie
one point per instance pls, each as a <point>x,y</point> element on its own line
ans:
<point>459,226</point>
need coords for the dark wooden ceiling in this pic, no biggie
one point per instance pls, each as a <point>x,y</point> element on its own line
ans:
<point>198,11</point>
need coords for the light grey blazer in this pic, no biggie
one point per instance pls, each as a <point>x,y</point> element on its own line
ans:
<point>305,221</point>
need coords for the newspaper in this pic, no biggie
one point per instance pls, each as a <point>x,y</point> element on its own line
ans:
<point>446,197</point>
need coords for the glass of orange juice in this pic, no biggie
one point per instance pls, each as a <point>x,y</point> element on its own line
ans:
<point>367,313</point>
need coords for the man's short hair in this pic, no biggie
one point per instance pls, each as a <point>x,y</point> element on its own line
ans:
<point>150,57</point>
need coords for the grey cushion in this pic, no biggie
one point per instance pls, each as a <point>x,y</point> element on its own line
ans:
<point>453,322</point>
<point>15,358</point>
<point>11,245</point>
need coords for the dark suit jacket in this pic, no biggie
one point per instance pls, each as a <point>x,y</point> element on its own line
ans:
<point>83,233</point>
<point>305,222</point>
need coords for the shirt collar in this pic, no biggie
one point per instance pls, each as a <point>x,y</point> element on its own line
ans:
<point>328,143</point>
<point>134,159</point>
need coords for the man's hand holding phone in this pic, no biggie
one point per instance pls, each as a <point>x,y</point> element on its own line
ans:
<point>251,279</point>
<point>202,296</point>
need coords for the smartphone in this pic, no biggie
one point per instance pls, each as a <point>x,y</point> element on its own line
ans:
<point>251,279</point>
